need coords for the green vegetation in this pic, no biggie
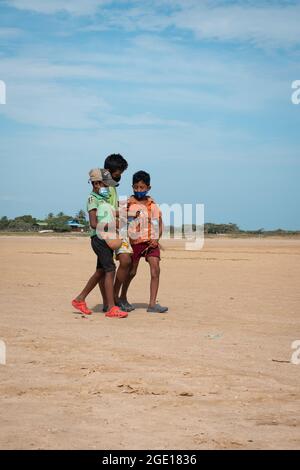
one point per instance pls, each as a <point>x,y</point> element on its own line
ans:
<point>229,229</point>
<point>221,228</point>
<point>57,223</point>
<point>234,229</point>
<point>60,223</point>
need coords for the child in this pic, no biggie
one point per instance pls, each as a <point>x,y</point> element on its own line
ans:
<point>145,233</point>
<point>116,165</point>
<point>101,214</point>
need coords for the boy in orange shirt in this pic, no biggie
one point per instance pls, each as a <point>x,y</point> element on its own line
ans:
<point>145,232</point>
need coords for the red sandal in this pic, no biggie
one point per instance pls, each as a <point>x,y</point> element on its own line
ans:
<point>115,312</point>
<point>81,306</point>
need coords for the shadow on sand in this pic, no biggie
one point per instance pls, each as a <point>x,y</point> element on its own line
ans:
<point>99,307</point>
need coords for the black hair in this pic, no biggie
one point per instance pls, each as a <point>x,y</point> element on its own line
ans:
<point>114,162</point>
<point>141,176</point>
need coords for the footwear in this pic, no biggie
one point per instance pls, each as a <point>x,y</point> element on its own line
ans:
<point>81,306</point>
<point>125,306</point>
<point>115,312</point>
<point>105,309</point>
<point>157,309</point>
<point>129,306</point>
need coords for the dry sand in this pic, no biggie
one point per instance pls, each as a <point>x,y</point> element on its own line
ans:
<point>202,376</point>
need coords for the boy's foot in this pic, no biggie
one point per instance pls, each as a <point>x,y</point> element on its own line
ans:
<point>128,305</point>
<point>125,306</point>
<point>115,312</point>
<point>105,309</point>
<point>81,306</point>
<point>157,309</point>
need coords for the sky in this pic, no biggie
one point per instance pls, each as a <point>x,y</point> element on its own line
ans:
<point>197,93</point>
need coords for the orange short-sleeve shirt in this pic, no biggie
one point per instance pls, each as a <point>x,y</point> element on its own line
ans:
<point>146,226</point>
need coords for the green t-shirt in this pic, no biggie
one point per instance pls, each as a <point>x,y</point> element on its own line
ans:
<point>113,198</point>
<point>104,210</point>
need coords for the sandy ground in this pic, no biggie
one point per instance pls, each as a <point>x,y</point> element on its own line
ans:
<point>214,372</point>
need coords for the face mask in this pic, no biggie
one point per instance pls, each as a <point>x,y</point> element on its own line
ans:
<point>140,194</point>
<point>104,192</point>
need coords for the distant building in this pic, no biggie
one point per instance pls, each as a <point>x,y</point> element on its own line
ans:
<point>76,226</point>
<point>40,225</point>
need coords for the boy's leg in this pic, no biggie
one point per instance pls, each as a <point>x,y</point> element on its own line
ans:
<point>109,288</point>
<point>102,290</point>
<point>127,282</point>
<point>79,301</point>
<point>105,258</point>
<point>113,311</point>
<point>154,284</point>
<point>122,275</point>
<point>91,284</point>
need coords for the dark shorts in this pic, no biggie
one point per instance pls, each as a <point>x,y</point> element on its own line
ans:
<point>105,259</point>
<point>140,251</point>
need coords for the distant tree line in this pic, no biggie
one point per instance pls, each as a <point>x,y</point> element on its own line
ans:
<point>234,229</point>
<point>230,228</point>
<point>27,223</point>
<point>59,223</point>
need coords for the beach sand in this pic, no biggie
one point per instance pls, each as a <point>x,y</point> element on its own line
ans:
<point>214,372</point>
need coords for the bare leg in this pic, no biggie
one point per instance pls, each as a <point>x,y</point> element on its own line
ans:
<point>91,284</point>
<point>109,288</point>
<point>122,274</point>
<point>154,284</point>
<point>102,290</point>
<point>127,282</point>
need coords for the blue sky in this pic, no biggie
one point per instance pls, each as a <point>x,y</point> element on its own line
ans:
<point>198,93</point>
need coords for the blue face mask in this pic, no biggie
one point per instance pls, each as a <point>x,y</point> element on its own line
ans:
<point>140,194</point>
<point>104,192</point>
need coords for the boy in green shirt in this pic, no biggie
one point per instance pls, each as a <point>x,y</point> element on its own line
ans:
<point>101,215</point>
<point>116,165</point>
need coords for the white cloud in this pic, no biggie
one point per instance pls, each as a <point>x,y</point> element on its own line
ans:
<point>155,81</point>
<point>51,105</point>
<point>5,198</point>
<point>145,119</point>
<point>45,104</point>
<point>27,68</point>
<point>261,24</point>
<point>10,32</point>
<point>146,60</point>
<point>74,7</point>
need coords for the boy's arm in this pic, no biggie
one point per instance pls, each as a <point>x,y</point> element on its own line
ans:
<point>160,222</point>
<point>120,214</point>
<point>134,214</point>
<point>154,242</point>
<point>93,218</point>
<point>125,212</point>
